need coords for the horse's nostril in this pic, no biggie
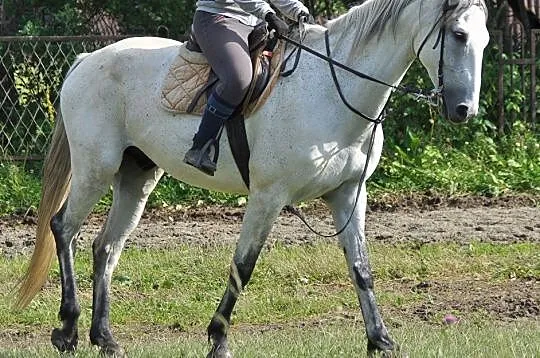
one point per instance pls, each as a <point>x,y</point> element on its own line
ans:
<point>462,110</point>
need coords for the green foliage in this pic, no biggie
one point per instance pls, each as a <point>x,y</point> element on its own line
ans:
<point>144,17</point>
<point>424,153</point>
<point>484,165</point>
<point>28,109</point>
<point>19,188</point>
<point>171,192</point>
<point>56,20</point>
<point>34,88</point>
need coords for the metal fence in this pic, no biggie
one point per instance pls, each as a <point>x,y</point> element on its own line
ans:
<point>517,85</point>
<point>31,73</point>
<point>32,69</point>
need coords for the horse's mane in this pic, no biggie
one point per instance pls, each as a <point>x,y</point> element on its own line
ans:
<point>371,17</point>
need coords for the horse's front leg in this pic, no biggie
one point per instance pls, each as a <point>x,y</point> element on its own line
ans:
<point>261,212</point>
<point>353,242</point>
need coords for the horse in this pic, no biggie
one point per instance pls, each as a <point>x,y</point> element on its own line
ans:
<point>304,143</point>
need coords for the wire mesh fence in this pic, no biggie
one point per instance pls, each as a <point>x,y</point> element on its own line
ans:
<point>31,73</point>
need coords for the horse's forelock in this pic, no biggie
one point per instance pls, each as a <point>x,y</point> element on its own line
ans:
<point>460,6</point>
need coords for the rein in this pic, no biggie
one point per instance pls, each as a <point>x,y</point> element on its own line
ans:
<point>430,97</point>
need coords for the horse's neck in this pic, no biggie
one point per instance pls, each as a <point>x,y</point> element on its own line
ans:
<point>385,56</point>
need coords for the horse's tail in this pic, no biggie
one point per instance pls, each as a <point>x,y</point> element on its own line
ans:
<point>55,184</point>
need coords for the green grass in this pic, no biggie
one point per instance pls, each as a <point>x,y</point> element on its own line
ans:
<point>338,340</point>
<point>177,290</point>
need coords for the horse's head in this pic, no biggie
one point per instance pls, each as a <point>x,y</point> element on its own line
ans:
<point>454,64</point>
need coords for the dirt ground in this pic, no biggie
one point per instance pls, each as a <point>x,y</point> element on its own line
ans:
<point>422,219</point>
<point>391,220</point>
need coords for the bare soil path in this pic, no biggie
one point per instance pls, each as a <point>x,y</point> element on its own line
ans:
<point>503,220</point>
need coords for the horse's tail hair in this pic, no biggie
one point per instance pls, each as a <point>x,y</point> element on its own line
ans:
<point>54,189</point>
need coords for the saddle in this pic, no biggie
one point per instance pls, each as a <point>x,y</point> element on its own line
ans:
<point>190,78</point>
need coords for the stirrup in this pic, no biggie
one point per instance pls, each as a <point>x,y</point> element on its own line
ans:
<point>200,158</point>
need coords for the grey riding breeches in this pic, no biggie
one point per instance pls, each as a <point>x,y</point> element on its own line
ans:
<point>224,42</point>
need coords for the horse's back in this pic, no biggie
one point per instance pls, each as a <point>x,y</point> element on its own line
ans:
<point>119,70</point>
<point>147,43</point>
<point>124,56</point>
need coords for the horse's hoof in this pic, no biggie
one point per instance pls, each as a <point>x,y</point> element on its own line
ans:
<point>395,352</point>
<point>219,351</point>
<point>62,342</point>
<point>113,350</point>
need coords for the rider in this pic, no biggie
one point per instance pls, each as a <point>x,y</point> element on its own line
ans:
<point>221,29</point>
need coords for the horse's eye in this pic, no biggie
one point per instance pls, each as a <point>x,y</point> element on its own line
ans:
<point>461,35</point>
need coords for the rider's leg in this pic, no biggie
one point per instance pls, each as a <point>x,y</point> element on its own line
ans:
<point>224,41</point>
<point>216,113</point>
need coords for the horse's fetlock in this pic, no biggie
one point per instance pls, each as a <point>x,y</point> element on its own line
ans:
<point>217,329</point>
<point>100,336</point>
<point>70,311</point>
<point>380,341</point>
<point>64,342</point>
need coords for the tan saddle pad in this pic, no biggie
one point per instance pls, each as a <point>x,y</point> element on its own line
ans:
<point>188,75</point>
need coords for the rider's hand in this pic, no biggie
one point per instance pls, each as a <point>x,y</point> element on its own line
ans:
<point>275,23</point>
<point>305,18</point>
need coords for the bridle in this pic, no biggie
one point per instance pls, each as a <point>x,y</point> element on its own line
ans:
<point>432,97</point>
<point>440,39</point>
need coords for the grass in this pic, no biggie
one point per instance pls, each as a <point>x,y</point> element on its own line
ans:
<point>298,296</point>
<point>336,340</point>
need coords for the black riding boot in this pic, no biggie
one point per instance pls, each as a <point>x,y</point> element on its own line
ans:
<point>216,113</point>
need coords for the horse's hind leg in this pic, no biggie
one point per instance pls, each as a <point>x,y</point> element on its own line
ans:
<point>354,245</point>
<point>131,188</point>
<point>87,187</point>
<point>261,212</point>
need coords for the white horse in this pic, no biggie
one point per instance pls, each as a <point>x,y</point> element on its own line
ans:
<point>304,142</point>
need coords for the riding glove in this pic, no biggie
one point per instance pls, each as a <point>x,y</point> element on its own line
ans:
<point>305,18</point>
<point>275,23</point>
